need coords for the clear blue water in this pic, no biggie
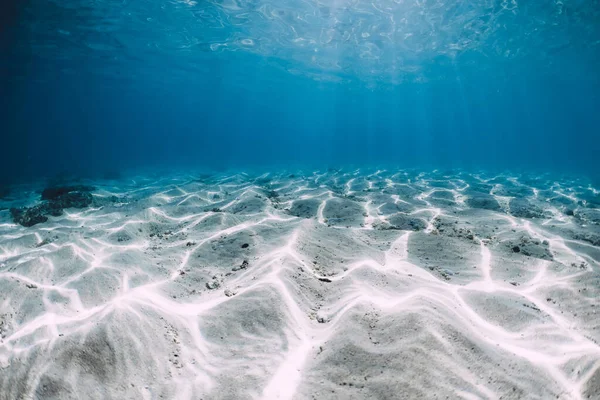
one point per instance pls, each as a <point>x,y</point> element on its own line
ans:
<point>92,87</point>
<point>299,199</point>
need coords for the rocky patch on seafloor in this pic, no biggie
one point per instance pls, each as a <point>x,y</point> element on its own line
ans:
<point>54,201</point>
<point>588,215</point>
<point>532,247</point>
<point>522,208</point>
<point>590,237</point>
<point>62,192</point>
<point>453,228</point>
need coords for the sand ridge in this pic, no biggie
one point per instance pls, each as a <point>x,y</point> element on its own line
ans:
<point>334,284</point>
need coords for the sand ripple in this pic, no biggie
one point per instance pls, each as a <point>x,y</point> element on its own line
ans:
<point>339,284</point>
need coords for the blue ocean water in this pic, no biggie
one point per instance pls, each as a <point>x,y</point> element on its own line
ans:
<point>93,87</point>
<point>299,199</point>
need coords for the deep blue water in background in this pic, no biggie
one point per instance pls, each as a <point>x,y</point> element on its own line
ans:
<point>92,87</point>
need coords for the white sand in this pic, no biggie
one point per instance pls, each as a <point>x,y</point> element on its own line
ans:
<point>311,286</point>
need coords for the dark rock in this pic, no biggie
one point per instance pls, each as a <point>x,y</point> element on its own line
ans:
<point>57,199</point>
<point>245,246</point>
<point>531,247</point>
<point>322,318</point>
<point>53,193</point>
<point>243,266</point>
<point>212,285</point>
<point>72,200</point>
<point>569,212</point>
<point>28,216</point>
<point>123,237</point>
<point>52,208</point>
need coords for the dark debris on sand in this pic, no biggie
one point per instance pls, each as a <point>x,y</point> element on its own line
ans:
<point>61,192</point>
<point>522,208</point>
<point>531,247</point>
<point>54,201</point>
<point>590,237</point>
<point>588,215</point>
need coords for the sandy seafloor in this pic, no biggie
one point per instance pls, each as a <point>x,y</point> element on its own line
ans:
<point>345,284</point>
